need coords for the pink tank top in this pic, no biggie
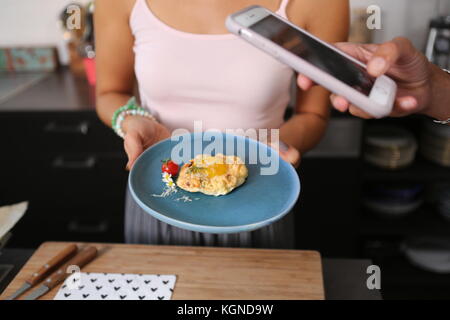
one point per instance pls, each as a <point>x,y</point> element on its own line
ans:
<point>218,79</point>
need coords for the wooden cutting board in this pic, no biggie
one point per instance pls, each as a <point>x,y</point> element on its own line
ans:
<point>202,273</point>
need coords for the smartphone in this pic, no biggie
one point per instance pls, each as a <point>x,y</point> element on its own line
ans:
<point>322,62</point>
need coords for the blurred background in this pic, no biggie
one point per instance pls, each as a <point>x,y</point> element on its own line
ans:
<point>372,189</point>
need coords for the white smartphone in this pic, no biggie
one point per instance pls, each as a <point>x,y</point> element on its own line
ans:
<point>323,63</point>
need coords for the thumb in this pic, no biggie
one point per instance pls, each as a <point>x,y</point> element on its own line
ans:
<point>133,147</point>
<point>388,54</point>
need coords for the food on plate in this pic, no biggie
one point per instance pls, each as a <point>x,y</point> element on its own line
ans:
<point>170,167</point>
<point>212,175</point>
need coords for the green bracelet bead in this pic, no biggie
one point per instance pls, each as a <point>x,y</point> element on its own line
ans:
<point>131,108</point>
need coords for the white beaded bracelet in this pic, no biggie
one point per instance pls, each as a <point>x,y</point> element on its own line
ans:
<point>130,109</point>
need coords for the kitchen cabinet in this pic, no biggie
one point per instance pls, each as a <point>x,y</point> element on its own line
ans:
<point>70,167</point>
<point>382,239</point>
<point>327,212</point>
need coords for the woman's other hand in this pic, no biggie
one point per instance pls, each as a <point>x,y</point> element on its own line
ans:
<point>140,134</point>
<point>291,155</point>
<point>397,59</point>
<point>288,153</point>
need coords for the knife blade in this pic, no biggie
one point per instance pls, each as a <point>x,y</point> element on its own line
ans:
<point>20,291</point>
<point>37,293</point>
<point>80,260</point>
<point>46,269</point>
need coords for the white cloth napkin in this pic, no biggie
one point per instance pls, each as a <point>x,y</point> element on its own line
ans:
<point>117,286</point>
<point>10,215</point>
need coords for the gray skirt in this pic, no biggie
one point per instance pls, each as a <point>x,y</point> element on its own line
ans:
<point>142,228</point>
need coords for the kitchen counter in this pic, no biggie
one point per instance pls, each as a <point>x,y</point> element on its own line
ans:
<point>56,91</point>
<point>344,279</point>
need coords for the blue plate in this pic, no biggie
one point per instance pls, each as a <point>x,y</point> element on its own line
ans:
<point>260,201</point>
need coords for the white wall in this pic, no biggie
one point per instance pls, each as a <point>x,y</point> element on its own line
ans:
<point>408,18</point>
<point>33,22</point>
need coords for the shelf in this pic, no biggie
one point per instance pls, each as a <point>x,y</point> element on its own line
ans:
<point>421,170</point>
<point>425,221</point>
<point>400,272</point>
<point>401,280</point>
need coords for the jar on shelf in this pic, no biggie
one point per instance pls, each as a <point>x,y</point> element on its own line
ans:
<point>389,147</point>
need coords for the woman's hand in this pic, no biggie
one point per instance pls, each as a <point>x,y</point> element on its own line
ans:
<point>288,153</point>
<point>140,134</point>
<point>291,155</point>
<point>399,60</point>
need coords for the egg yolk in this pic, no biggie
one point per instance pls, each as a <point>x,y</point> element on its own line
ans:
<point>216,170</point>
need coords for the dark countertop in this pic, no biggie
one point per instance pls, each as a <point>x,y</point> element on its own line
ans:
<point>12,260</point>
<point>56,91</point>
<point>345,279</point>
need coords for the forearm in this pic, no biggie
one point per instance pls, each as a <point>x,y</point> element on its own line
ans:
<point>108,103</point>
<point>304,131</point>
<point>439,107</point>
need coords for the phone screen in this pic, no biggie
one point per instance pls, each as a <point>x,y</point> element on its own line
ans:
<point>315,53</point>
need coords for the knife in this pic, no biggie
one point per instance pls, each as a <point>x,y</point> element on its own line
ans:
<point>80,260</point>
<point>46,269</point>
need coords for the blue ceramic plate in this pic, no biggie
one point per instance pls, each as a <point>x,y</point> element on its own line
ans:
<point>260,201</point>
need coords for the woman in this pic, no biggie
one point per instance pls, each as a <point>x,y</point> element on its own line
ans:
<point>188,68</point>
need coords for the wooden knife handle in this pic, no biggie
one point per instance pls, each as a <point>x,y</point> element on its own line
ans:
<point>80,260</point>
<point>52,264</point>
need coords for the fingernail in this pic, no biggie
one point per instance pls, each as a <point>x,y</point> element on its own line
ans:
<point>283,147</point>
<point>304,84</point>
<point>340,104</point>
<point>408,104</point>
<point>377,66</point>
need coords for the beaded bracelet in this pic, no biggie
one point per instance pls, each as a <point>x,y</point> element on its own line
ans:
<point>130,109</point>
<point>444,122</point>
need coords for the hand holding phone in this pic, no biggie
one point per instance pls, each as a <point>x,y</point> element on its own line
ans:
<point>319,61</point>
<point>397,58</point>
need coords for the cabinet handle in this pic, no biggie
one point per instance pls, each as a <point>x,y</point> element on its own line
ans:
<point>84,164</point>
<point>78,128</point>
<point>94,228</point>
